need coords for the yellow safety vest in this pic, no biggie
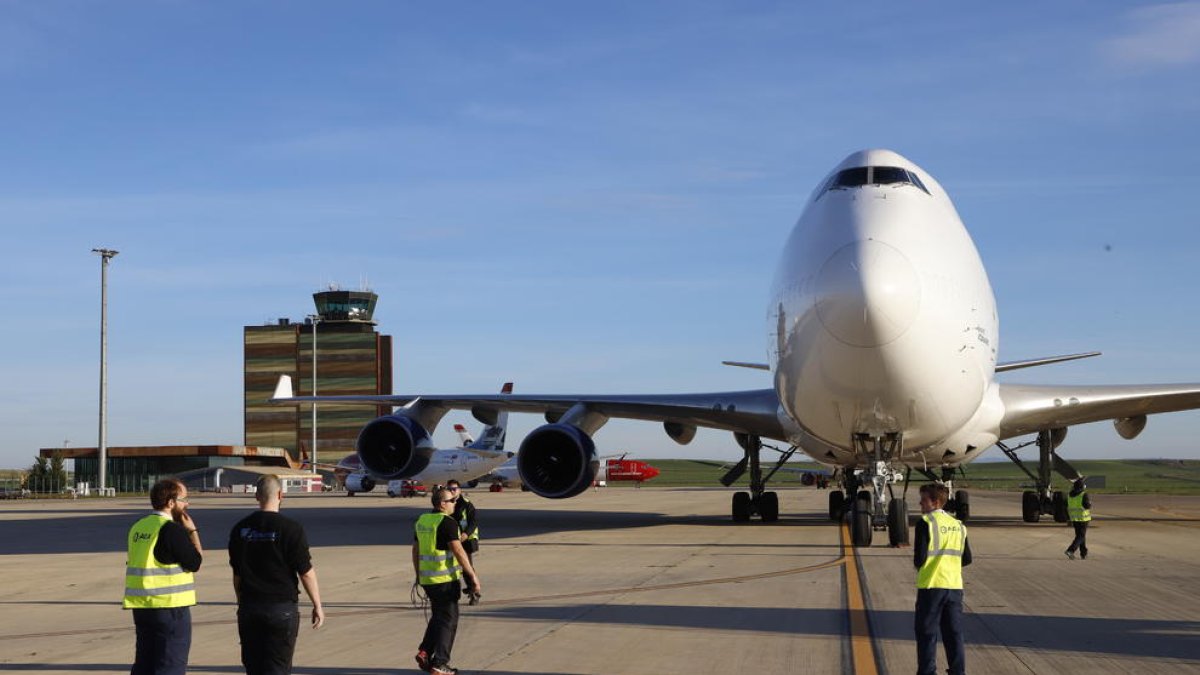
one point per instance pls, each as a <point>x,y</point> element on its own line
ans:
<point>1075,508</point>
<point>462,524</point>
<point>435,565</point>
<point>150,584</point>
<point>947,540</point>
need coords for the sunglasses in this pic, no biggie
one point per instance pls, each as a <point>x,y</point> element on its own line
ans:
<point>450,501</point>
<point>453,488</point>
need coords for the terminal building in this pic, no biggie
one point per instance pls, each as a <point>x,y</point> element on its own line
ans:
<point>339,343</point>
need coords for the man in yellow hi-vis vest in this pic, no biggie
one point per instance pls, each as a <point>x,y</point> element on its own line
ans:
<point>164,552</point>
<point>940,551</point>
<point>439,562</point>
<point>1079,510</point>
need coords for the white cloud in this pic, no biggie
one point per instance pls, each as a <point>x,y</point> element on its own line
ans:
<point>1159,36</point>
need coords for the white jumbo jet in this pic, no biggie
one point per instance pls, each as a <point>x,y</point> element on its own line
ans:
<point>883,350</point>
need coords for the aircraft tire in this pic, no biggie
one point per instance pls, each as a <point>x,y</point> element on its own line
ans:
<point>962,505</point>
<point>768,507</point>
<point>863,501</point>
<point>860,526</point>
<point>897,522</point>
<point>837,505</point>
<point>1031,508</point>
<point>350,494</point>
<point>741,507</point>
<point>1060,507</point>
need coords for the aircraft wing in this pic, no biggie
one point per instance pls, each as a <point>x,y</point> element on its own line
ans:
<point>1029,408</point>
<point>752,412</point>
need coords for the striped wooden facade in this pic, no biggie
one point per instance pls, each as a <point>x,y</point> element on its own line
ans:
<point>352,358</point>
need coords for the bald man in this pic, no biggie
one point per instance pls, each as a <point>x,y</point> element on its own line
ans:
<point>269,554</point>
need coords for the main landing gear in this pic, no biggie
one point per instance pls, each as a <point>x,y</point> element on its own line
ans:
<point>877,508</point>
<point>757,501</point>
<point>1042,501</point>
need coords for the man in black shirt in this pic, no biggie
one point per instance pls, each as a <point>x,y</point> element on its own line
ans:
<point>439,561</point>
<point>268,553</point>
<point>468,527</point>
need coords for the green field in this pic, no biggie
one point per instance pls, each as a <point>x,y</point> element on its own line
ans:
<point>1173,476</point>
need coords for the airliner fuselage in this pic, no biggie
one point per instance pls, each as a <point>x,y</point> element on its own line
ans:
<point>882,319</point>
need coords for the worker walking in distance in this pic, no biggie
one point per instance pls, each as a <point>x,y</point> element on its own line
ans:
<point>468,527</point>
<point>1079,510</point>
<point>164,552</point>
<point>269,554</point>
<point>940,551</point>
<point>439,561</point>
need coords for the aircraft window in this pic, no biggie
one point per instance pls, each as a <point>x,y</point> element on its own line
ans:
<point>916,180</point>
<point>886,175</point>
<point>850,178</point>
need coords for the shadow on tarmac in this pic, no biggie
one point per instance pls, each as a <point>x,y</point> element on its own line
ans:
<point>1116,637</point>
<point>388,525</point>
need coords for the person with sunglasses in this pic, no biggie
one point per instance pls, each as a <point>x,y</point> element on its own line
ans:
<point>439,561</point>
<point>164,552</point>
<point>468,527</point>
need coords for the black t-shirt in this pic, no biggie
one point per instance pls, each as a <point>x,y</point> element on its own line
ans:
<point>174,547</point>
<point>447,532</point>
<point>465,510</point>
<point>268,552</point>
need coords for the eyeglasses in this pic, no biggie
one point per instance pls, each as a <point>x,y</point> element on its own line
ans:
<point>182,499</point>
<point>450,501</point>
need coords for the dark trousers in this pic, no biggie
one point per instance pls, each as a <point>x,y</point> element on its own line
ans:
<point>164,638</point>
<point>268,633</point>
<point>443,621</point>
<point>1080,542</point>
<point>939,609</point>
<point>468,580</point>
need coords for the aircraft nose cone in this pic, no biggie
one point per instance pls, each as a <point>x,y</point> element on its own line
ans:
<point>868,294</point>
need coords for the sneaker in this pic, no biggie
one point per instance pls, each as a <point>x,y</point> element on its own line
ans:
<point>443,670</point>
<point>423,660</point>
<point>1083,556</point>
<point>1071,555</point>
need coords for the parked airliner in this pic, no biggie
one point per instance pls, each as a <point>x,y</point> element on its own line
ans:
<point>884,339</point>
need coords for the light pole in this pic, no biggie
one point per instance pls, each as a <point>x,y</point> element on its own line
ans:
<point>105,254</point>
<point>312,450</point>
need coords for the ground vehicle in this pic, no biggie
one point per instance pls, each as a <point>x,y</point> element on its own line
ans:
<point>406,488</point>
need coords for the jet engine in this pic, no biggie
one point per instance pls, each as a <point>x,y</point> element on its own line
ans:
<point>394,447</point>
<point>557,461</point>
<point>359,482</point>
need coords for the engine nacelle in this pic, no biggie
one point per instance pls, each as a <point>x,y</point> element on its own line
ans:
<point>359,482</point>
<point>557,461</point>
<point>394,447</point>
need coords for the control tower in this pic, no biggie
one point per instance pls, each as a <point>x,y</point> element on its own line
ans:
<point>352,357</point>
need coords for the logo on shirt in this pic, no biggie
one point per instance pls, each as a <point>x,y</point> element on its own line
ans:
<point>251,534</point>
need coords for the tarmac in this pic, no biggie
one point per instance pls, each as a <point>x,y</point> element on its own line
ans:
<point>639,581</point>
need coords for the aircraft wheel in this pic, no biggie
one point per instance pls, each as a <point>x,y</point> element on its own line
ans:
<point>1031,508</point>
<point>897,522</point>
<point>768,507</point>
<point>962,505</point>
<point>860,526</point>
<point>350,494</point>
<point>863,501</point>
<point>837,504</point>
<point>1060,507</point>
<point>741,507</point>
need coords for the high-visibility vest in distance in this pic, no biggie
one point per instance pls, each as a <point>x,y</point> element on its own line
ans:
<point>462,524</point>
<point>150,584</point>
<point>1075,508</point>
<point>434,565</point>
<point>947,541</point>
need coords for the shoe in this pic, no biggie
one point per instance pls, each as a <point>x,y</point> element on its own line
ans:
<point>443,670</point>
<point>474,599</point>
<point>1083,556</point>
<point>423,660</point>
<point>1071,555</point>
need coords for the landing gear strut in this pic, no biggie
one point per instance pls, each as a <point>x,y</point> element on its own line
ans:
<point>757,501</point>
<point>1042,500</point>
<point>877,508</point>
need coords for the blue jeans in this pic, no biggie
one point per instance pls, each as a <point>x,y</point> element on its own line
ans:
<point>939,609</point>
<point>268,632</point>
<point>164,638</point>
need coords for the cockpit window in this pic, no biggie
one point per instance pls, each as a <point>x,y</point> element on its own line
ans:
<point>874,175</point>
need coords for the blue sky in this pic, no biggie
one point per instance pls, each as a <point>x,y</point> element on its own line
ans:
<point>580,197</point>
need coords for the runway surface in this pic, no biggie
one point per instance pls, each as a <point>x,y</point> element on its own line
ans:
<point>623,580</point>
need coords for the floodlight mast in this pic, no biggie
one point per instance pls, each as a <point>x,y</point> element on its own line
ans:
<point>106,254</point>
